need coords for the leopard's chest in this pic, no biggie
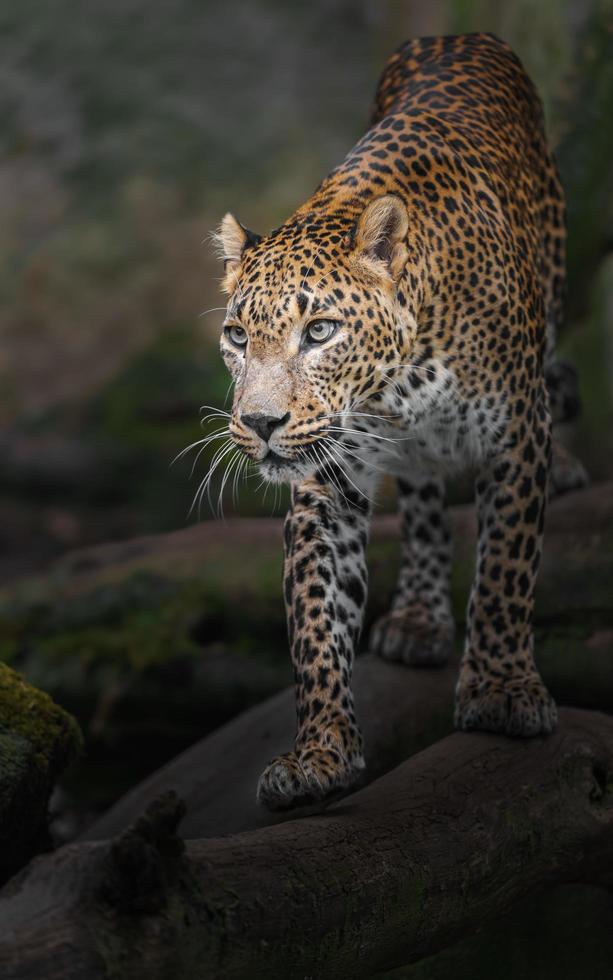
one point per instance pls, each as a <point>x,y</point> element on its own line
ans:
<point>439,423</point>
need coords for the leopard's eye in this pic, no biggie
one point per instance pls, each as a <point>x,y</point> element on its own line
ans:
<point>236,335</point>
<point>319,331</point>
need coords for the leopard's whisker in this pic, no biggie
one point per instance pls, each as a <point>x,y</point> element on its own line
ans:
<point>230,449</point>
<point>205,483</point>
<point>396,367</point>
<point>371,435</point>
<point>367,463</point>
<point>225,401</point>
<point>326,471</point>
<point>305,277</point>
<point>219,434</point>
<point>237,472</point>
<point>214,409</point>
<point>365,415</point>
<point>329,472</point>
<point>214,309</point>
<point>200,452</point>
<point>217,457</point>
<point>210,417</point>
<point>319,281</point>
<point>229,467</point>
<point>332,449</point>
<point>266,489</point>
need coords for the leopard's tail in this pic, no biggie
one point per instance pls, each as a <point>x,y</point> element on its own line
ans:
<point>567,472</point>
<point>560,376</point>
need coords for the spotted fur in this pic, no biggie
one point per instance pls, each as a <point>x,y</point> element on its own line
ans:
<point>431,262</point>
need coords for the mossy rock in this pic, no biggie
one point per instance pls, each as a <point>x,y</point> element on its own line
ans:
<point>37,741</point>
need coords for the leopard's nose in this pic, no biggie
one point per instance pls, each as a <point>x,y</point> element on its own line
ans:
<point>264,425</point>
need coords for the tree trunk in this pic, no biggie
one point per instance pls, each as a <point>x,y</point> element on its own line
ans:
<point>395,872</point>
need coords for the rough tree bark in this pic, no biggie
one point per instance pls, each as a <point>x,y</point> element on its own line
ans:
<point>394,872</point>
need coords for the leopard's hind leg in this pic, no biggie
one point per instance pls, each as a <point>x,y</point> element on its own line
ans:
<point>499,688</point>
<point>419,629</point>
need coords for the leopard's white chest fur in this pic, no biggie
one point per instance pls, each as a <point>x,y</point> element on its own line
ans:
<point>435,423</point>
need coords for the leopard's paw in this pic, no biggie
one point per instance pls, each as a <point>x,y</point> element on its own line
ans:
<point>522,706</point>
<point>412,637</point>
<point>309,775</point>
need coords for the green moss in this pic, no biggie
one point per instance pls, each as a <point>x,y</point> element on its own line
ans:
<point>137,639</point>
<point>141,617</point>
<point>37,740</point>
<point>15,758</point>
<point>34,716</point>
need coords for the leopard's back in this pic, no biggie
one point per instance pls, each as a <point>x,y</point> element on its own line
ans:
<point>474,89</point>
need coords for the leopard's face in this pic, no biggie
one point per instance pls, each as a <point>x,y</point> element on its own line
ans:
<point>307,331</point>
<point>301,358</point>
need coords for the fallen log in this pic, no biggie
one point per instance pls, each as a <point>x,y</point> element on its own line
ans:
<point>403,868</point>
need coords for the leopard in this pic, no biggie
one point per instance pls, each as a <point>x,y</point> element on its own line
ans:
<point>402,324</point>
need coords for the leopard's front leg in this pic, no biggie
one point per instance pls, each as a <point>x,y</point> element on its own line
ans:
<point>499,687</point>
<point>325,590</point>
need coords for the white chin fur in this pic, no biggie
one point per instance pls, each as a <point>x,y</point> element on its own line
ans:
<point>283,474</point>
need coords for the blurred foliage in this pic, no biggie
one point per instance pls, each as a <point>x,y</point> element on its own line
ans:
<point>585,153</point>
<point>590,347</point>
<point>127,129</point>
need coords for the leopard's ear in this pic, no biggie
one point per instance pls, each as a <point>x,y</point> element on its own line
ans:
<point>231,241</point>
<point>380,235</point>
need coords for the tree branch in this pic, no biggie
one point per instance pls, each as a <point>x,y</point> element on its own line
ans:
<point>395,872</point>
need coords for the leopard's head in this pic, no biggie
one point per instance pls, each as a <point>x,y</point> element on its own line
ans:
<point>314,314</point>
